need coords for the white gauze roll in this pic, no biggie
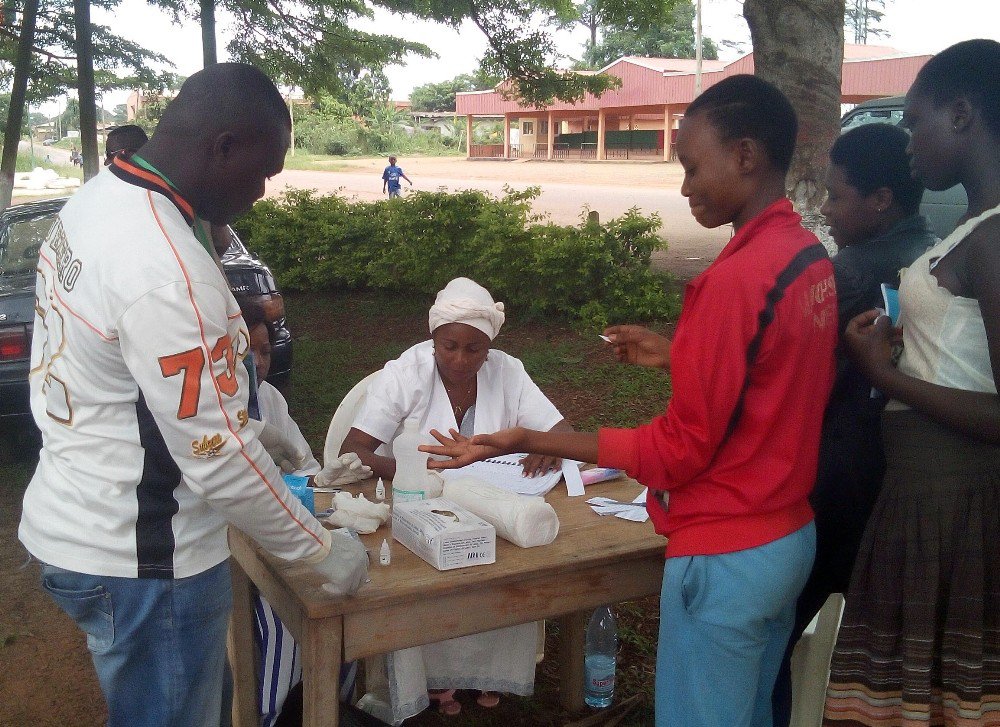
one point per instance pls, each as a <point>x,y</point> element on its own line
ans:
<point>524,520</point>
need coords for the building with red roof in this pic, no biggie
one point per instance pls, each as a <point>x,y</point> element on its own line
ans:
<point>633,120</point>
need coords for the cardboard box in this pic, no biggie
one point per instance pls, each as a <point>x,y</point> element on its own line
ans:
<point>444,534</point>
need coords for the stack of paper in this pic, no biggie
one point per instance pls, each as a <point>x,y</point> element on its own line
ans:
<point>634,511</point>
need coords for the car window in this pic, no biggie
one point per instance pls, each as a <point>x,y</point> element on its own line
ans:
<point>20,242</point>
<point>236,245</point>
<point>873,116</point>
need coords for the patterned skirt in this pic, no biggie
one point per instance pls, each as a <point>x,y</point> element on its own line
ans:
<point>920,640</point>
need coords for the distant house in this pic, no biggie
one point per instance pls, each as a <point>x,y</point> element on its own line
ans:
<point>445,122</point>
<point>138,99</point>
<point>639,119</point>
<point>41,132</point>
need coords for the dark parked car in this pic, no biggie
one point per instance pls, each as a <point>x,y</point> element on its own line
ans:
<point>942,209</point>
<point>23,229</point>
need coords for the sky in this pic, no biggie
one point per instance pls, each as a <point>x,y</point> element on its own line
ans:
<point>914,26</point>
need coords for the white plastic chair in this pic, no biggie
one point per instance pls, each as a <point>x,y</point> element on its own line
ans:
<point>343,418</point>
<point>811,664</point>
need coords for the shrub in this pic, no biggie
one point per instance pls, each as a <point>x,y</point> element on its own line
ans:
<point>591,273</point>
<point>327,132</point>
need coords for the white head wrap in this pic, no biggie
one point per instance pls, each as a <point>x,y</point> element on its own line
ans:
<point>466,301</point>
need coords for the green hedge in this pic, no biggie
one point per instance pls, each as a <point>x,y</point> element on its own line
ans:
<point>591,273</point>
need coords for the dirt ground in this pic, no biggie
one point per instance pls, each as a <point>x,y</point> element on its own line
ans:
<point>636,173</point>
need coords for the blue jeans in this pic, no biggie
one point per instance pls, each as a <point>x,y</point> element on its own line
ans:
<point>158,645</point>
<point>724,624</point>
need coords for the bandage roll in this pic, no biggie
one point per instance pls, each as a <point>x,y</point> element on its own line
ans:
<point>523,520</point>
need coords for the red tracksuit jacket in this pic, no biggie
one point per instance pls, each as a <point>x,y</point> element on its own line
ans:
<point>751,368</point>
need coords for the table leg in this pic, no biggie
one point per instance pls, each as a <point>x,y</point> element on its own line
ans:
<point>242,650</point>
<point>572,635</point>
<point>322,656</point>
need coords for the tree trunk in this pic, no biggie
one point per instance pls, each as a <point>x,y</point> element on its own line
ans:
<point>15,112</point>
<point>208,33</point>
<point>799,47</point>
<point>85,89</point>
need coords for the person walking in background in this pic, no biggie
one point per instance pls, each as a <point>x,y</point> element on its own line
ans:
<point>920,639</point>
<point>390,178</point>
<point>872,209</point>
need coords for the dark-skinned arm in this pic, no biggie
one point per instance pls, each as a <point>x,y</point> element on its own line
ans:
<point>581,446</point>
<point>539,464</point>
<point>975,414</point>
<point>364,445</point>
<point>639,346</point>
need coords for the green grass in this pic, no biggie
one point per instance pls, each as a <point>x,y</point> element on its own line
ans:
<point>341,338</point>
<point>26,162</point>
<point>631,395</point>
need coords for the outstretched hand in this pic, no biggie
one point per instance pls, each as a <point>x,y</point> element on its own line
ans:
<point>640,346</point>
<point>464,450</point>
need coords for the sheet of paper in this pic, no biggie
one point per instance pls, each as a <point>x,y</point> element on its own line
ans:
<point>634,511</point>
<point>571,473</point>
<point>506,472</point>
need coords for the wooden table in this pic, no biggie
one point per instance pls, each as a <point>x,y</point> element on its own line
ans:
<point>594,560</point>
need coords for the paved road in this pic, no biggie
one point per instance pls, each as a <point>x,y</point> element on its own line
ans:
<point>690,247</point>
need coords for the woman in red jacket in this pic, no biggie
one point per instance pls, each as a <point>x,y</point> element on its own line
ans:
<point>751,367</point>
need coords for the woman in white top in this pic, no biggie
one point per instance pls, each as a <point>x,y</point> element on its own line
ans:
<point>920,638</point>
<point>455,381</point>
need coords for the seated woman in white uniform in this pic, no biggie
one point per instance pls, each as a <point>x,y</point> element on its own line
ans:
<point>455,381</point>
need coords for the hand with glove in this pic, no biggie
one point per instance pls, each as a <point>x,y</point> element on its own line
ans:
<point>285,453</point>
<point>345,568</point>
<point>344,470</point>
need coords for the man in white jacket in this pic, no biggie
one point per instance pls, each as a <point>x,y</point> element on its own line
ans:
<point>138,388</point>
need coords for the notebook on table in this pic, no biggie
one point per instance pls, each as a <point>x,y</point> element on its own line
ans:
<point>506,472</point>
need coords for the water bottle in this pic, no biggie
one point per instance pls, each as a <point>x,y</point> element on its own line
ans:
<point>411,465</point>
<point>599,658</point>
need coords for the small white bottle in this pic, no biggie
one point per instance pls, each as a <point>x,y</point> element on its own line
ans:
<point>380,490</point>
<point>384,555</point>
<point>411,465</point>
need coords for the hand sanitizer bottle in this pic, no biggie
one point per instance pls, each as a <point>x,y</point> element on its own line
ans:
<point>411,465</point>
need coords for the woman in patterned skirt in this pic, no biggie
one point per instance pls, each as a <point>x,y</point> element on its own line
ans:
<point>920,639</point>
